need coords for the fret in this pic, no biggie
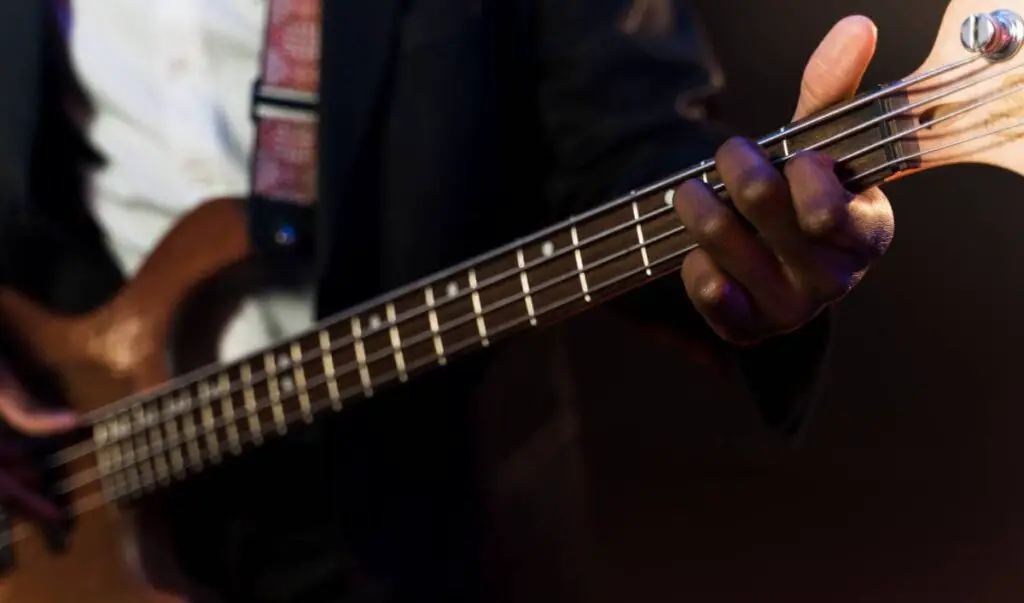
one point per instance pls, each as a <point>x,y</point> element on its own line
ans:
<point>579,263</point>
<point>190,433</point>
<point>548,276</point>
<point>375,356</point>
<point>273,384</point>
<point>608,247</point>
<point>251,405</point>
<point>104,462</point>
<point>327,358</point>
<point>409,343</point>
<point>227,410</point>
<point>481,325</point>
<point>144,460</point>
<point>780,150</point>
<point>209,427</point>
<point>525,280</point>
<point>170,424</point>
<point>865,137</point>
<point>299,372</point>
<point>663,232</point>
<point>130,466</point>
<point>364,370</point>
<point>551,266</point>
<point>435,328</point>
<point>337,367</point>
<point>396,341</point>
<point>157,448</point>
<point>456,314</point>
<point>500,291</point>
<point>640,238</point>
<point>118,477</point>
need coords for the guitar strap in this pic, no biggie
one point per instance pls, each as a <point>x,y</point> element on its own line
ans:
<point>285,103</point>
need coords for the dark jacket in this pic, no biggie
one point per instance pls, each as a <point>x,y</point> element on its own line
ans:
<point>448,127</point>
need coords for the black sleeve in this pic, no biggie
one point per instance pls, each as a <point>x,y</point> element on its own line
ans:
<point>623,92</point>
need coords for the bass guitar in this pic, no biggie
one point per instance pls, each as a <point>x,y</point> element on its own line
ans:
<point>146,429</point>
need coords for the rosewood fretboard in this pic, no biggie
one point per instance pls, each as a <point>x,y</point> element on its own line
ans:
<point>150,441</point>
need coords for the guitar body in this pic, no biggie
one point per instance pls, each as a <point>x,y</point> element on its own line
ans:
<point>97,567</point>
<point>102,357</point>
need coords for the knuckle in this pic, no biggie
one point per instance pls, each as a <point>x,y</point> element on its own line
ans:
<point>824,220</point>
<point>688,191</point>
<point>800,163</point>
<point>758,187</point>
<point>729,148</point>
<point>711,293</point>
<point>714,225</point>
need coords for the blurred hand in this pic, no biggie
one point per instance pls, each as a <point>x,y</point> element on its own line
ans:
<point>814,239</point>
<point>18,478</point>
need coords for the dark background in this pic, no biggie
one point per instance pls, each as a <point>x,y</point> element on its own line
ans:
<point>909,484</point>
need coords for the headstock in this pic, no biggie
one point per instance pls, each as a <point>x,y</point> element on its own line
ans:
<point>973,113</point>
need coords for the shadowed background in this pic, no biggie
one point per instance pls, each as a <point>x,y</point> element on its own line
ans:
<point>908,485</point>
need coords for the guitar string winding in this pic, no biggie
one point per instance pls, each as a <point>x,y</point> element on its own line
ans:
<point>85,478</point>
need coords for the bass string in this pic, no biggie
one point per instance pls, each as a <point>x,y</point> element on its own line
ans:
<point>81,479</point>
<point>87,477</point>
<point>261,376</point>
<point>698,170</point>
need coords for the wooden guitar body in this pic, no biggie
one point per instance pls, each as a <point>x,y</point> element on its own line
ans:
<point>145,428</point>
<point>119,350</point>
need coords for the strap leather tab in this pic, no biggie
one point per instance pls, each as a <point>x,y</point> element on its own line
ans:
<point>284,107</point>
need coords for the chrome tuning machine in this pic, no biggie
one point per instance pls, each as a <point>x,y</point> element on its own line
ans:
<point>997,35</point>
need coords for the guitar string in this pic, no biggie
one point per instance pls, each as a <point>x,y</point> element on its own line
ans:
<point>664,209</point>
<point>86,448</point>
<point>697,170</point>
<point>85,478</point>
<point>169,387</point>
<point>260,377</point>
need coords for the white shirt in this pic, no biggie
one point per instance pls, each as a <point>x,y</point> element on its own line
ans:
<point>170,81</point>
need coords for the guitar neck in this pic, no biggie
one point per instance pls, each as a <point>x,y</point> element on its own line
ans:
<point>145,443</point>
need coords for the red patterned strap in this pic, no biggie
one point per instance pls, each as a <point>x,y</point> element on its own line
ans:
<point>285,104</point>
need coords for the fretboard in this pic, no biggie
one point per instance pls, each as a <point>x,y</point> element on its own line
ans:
<point>153,440</point>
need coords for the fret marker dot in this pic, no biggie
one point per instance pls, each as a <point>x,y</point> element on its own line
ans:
<point>375,322</point>
<point>452,289</point>
<point>669,196</point>
<point>287,385</point>
<point>547,249</point>
<point>283,361</point>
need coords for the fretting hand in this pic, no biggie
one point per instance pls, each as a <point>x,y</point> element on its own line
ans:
<point>814,239</point>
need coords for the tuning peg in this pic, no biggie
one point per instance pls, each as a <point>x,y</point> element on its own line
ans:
<point>997,35</point>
